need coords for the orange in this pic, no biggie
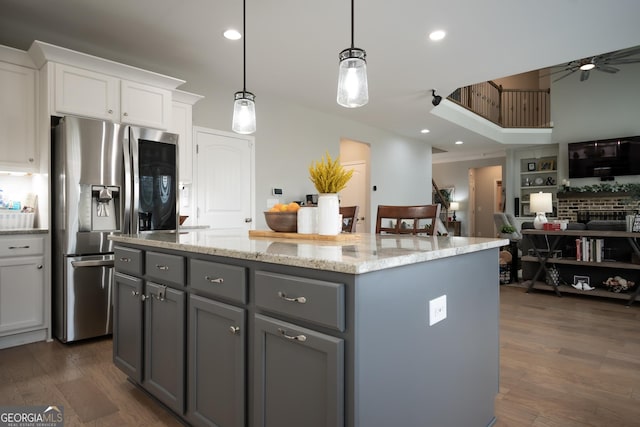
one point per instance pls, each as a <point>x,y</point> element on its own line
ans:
<point>284,208</point>
<point>293,207</point>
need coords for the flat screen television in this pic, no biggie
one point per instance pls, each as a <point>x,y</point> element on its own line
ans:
<point>605,158</point>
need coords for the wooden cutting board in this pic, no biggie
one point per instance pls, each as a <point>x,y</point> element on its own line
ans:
<point>342,237</point>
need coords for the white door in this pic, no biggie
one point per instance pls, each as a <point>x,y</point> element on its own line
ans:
<point>224,180</point>
<point>355,193</point>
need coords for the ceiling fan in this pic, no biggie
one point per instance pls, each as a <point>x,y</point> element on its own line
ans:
<point>604,63</point>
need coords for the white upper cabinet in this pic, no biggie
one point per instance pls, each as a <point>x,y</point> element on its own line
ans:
<point>85,93</point>
<point>182,124</point>
<point>17,118</point>
<point>92,94</point>
<point>85,85</point>
<point>145,105</point>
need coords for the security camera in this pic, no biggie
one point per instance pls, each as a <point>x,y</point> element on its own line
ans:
<point>436,98</point>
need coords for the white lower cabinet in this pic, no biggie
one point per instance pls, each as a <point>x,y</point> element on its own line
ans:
<point>23,296</point>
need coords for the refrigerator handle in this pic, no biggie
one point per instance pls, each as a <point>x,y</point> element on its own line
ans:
<point>109,263</point>
<point>128,183</point>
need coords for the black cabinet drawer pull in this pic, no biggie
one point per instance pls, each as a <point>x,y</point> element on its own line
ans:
<point>212,280</point>
<point>300,337</point>
<point>19,247</point>
<point>301,300</point>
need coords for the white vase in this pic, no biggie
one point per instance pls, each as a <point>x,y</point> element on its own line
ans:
<point>328,211</point>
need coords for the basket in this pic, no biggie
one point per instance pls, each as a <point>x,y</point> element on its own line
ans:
<point>505,274</point>
<point>16,220</point>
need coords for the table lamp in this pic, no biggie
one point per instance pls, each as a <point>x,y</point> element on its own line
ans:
<point>540,203</point>
<point>454,206</point>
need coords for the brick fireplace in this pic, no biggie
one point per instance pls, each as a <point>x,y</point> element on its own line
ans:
<point>585,206</point>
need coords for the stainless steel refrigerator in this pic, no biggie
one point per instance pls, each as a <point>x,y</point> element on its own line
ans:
<point>106,178</point>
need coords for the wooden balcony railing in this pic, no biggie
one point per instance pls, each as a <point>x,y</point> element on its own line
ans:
<point>509,108</point>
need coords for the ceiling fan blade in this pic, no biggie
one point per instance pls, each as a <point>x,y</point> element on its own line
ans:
<point>622,61</point>
<point>562,77</point>
<point>607,69</point>
<point>584,75</point>
<point>624,53</point>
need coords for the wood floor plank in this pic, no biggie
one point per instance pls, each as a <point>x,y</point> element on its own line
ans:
<point>564,362</point>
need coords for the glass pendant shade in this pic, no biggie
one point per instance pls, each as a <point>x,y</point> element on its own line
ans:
<point>353,89</point>
<point>244,113</point>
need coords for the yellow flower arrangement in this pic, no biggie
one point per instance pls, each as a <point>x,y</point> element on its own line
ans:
<point>328,175</point>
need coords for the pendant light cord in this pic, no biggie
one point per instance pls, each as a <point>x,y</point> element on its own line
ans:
<point>352,21</point>
<point>244,46</point>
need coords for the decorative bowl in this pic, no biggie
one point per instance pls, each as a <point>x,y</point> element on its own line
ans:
<point>282,221</point>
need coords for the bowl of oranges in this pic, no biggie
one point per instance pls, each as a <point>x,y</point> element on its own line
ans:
<point>283,217</point>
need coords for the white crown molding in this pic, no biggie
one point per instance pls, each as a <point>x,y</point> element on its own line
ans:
<point>42,52</point>
<point>186,97</point>
<point>16,57</point>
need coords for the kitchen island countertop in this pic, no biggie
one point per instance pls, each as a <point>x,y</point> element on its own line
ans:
<point>365,253</point>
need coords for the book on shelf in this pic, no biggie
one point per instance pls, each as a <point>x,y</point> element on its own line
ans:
<point>589,249</point>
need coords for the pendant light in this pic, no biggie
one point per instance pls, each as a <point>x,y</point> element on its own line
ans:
<point>353,90</point>
<point>244,107</point>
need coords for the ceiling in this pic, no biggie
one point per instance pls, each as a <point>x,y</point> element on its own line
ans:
<point>293,46</point>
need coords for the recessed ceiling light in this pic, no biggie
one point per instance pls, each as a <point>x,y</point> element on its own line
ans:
<point>424,131</point>
<point>232,34</point>
<point>437,35</point>
<point>459,142</point>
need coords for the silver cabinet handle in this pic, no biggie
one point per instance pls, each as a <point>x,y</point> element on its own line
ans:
<point>110,111</point>
<point>135,293</point>
<point>39,267</point>
<point>300,337</point>
<point>144,297</point>
<point>212,280</point>
<point>301,300</point>
<point>235,330</point>
<point>248,219</point>
<point>123,259</point>
<point>20,247</point>
<point>162,267</point>
<point>125,114</point>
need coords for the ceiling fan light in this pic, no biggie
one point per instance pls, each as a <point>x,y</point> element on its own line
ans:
<point>588,66</point>
<point>353,89</point>
<point>244,113</point>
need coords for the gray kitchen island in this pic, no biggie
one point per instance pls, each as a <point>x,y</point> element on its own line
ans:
<point>374,330</point>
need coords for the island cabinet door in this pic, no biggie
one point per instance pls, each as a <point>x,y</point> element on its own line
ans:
<point>164,345</point>
<point>127,325</point>
<point>298,376</point>
<point>216,346</point>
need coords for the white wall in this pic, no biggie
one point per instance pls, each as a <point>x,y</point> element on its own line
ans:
<point>604,106</point>
<point>289,138</point>
<point>456,174</point>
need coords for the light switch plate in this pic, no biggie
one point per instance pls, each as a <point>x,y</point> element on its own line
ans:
<point>437,310</point>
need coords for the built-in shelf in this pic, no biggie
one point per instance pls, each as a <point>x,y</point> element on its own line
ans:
<point>568,289</point>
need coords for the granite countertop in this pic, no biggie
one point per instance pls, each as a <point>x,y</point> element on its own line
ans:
<point>23,231</point>
<point>369,252</point>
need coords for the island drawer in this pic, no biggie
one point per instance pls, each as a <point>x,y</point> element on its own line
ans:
<point>165,267</point>
<point>127,260</point>
<point>313,300</point>
<point>218,280</point>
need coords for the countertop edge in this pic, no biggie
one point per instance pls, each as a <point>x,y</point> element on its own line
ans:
<point>349,267</point>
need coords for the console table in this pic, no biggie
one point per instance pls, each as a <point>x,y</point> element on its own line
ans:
<point>544,258</point>
<point>454,228</point>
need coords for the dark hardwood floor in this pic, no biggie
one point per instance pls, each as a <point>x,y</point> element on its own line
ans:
<point>571,361</point>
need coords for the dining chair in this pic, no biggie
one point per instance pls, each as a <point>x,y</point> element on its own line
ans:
<point>349,218</point>
<point>408,219</point>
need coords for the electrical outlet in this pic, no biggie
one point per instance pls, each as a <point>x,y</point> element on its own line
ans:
<point>437,310</point>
